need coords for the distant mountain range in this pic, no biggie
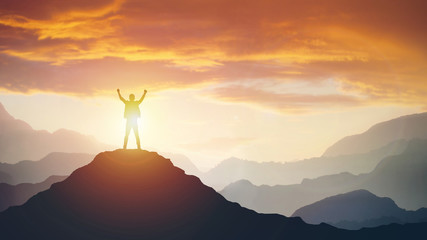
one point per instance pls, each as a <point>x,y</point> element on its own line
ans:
<point>358,209</point>
<point>273,173</point>
<point>18,141</point>
<point>355,154</point>
<point>4,177</point>
<point>133,194</point>
<point>14,195</point>
<point>401,177</point>
<point>405,127</point>
<point>36,171</point>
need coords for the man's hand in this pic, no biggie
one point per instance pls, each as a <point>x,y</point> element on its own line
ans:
<point>143,96</point>
<point>120,96</point>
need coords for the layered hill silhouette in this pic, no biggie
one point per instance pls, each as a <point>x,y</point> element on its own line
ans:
<point>354,154</point>
<point>19,141</point>
<point>134,194</point>
<point>401,177</point>
<point>274,173</point>
<point>36,171</point>
<point>4,177</point>
<point>402,128</point>
<point>14,195</point>
<point>358,209</point>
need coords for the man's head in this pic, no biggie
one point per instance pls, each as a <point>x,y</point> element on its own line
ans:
<point>131,97</point>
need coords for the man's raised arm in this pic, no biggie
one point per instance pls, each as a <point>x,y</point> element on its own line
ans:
<point>120,96</point>
<point>143,96</point>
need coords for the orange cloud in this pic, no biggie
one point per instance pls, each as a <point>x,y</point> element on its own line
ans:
<point>375,49</point>
<point>284,102</point>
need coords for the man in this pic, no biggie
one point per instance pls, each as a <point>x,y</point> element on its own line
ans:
<point>132,114</point>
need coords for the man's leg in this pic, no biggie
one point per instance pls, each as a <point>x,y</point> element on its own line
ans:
<point>128,127</point>
<point>135,131</point>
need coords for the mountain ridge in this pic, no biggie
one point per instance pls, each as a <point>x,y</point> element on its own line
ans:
<point>358,209</point>
<point>397,177</point>
<point>19,141</point>
<point>273,173</point>
<point>405,127</point>
<point>55,163</point>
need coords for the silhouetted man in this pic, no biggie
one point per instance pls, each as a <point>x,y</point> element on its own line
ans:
<point>132,114</point>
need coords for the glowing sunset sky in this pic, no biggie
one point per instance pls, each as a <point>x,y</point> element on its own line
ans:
<point>275,80</point>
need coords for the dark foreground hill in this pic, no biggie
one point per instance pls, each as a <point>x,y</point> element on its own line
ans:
<point>135,194</point>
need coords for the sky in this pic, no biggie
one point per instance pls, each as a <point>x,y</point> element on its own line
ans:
<point>274,80</point>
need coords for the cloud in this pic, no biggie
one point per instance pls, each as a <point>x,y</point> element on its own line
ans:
<point>52,9</point>
<point>375,49</point>
<point>283,102</point>
<point>90,77</point>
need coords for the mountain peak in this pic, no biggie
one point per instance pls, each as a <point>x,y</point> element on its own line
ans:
<point>355,206</point>
<point>404,127</point>
<point>4,115</point>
